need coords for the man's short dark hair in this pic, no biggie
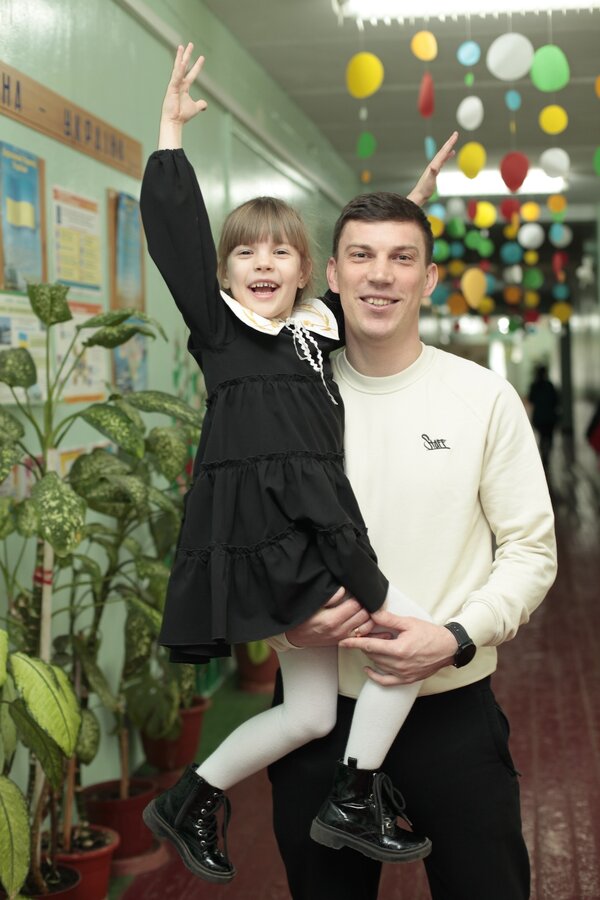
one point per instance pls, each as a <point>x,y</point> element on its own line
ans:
<point>384,206</point>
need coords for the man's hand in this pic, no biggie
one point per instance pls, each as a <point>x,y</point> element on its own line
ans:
<point>419,649</point>
<point>340,617</point>
<point>427,183</point>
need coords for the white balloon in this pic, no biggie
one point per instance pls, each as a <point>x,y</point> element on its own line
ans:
<point>555,161</point>
<point>531,236</point>
<point>512,275</point>
<point>469,114</point>
<point>456,208</point>
<point>510,56</point>
<point>560,235</point>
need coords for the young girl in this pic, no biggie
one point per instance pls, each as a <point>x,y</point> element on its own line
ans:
<point>271,527</point>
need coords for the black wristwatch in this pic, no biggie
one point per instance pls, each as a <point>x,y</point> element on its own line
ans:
<point>466,648</point>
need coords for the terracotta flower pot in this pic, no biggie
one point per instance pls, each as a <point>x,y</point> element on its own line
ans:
<point>104,807</point>
<point>170,755</point>
<point>93,865</point>
<point>257,678</point>
<point>70,880</point>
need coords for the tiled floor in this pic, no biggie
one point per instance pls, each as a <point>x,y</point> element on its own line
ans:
<point>549,684</point>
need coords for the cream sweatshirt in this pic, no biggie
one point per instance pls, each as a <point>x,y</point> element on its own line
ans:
<point>444,464</point>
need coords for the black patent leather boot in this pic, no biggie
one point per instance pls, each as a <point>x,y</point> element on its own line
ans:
<point>186,815</point>
<point>361,813</point>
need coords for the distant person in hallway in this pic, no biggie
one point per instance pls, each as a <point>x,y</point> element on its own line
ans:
<point>545,409</point>
<point>444,463</point>
<point>271,528</point>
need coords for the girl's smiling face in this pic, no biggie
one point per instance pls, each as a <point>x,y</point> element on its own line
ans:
<point>265,276</point>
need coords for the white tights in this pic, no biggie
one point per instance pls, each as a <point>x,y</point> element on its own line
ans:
<point>310,685</point>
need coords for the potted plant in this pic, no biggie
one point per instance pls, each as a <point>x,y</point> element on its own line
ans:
<point>257,666</point>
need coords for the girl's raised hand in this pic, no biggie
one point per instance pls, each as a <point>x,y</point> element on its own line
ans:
<point>426,185</point>
<point>178,107</point>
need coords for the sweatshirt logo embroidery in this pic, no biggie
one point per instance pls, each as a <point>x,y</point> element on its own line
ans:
<point>434,443</point>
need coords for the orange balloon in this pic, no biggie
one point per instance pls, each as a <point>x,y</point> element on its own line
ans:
<point>456,267</point>
<point>424,46</point>
<point>441,273</point>
<point>365,176</point>
<point>556,203</point>
<point>457,304</point>
<point>512,294</point>
<point>597,86</point>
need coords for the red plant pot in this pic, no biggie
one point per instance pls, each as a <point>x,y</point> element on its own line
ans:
<point>169,755</point>
<point>71,881</point>
<point>104,807</point>
<point>93,865</point>
<point>252,677</point>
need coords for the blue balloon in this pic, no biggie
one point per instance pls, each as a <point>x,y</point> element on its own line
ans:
<point>438,210</point>
<point>430,148</point>
<point>561,292</point>
<point>441,292</point>
<point>491,283</point>
<point>513,100</point>
<point>469,53</point>
<point>511,253</point>
<point>457,250</point>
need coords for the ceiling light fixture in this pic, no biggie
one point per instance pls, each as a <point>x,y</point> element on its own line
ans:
<point>386,11</point>
<point>489,183</point>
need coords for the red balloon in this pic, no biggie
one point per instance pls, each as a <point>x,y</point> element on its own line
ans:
<point>509,207</point>
<point>426,101</point>
<point>485,265</point>
<point>514,168</point>
<point>531,316</point>
<point>559,261</point>
<point>472,209</point>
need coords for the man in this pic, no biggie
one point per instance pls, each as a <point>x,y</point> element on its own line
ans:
<point>445,466</point>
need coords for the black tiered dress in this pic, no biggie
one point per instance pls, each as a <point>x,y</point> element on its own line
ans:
<point>271,527</point>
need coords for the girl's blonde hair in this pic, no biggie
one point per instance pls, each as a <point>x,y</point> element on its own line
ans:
<point>266,218</point>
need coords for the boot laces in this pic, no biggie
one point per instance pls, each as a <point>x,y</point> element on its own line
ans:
<point>388,801</point>
<point>204,815</point>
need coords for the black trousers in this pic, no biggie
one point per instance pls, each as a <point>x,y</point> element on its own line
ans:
<point>452,763</point>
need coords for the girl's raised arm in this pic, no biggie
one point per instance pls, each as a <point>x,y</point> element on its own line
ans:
<point>426,185</point>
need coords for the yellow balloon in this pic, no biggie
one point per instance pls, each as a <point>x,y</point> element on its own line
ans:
<point>473,285</point>
<point>553,119</point>
<point>561,311</point>
<point>531,257</point>
<point>597,86</point>
<point>365,176</point>
<point>437,226</point>
<point>510,231</point>
<point>424,46</point>
<point>531,299</point>
<point>471,159</point>
<point>486,306</point>
<point>485,214</point>
<point>456,267</point>
<point>530,211</point>
<point>557,203</point>
<point>364,75</point>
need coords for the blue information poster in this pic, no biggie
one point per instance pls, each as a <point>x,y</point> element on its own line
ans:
<point>20,218</point>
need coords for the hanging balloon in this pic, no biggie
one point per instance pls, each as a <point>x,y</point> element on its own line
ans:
<point>597,161</point>
<point>561,311</point>
<point>364,75</point>
<point>457,304</point>
<point>531,299</point>
<point>560,235</point>
<point>473,285</point>
<point>440,294</point>
<point>437,226</point>
<point>471,209</point>
<point>430,148</point>
<point>366,145</point>
<point>455,208</point>
<point>511,253</point>
<point>426,101</point>
<point>555,162</point>
<point>513,100</point>
<point>441,251</point>
<point>491,283</point>
<point>531,257</point>
<point>533,279</point>
<point>472,240</point>
<point>550,69</point>
<point>365,176</point>
<point>510,231</point>
<point>556,203</point>
<point>471,159</point>
<point>469,79</point>
<point>561,292</point>
<point>485,214</point>
<point>455,228</point>
<point>512,295</point>
<point>469,114</point>
<point>486,306</point>
<point>559,261</point>
<point>456,266</point>
<point>469,53</point>
<point>530,211</point>
<point>553,119</point>
<point>513,169</point>
<point>510,56</point>
<point>531,316</point>
<point>531,236</point>
<point>513,275</point>
<point>486,247</point>
<point>363,114</point>
<point>509,208</point>
<point>424,46</point>
<point>438,210</point>
<point>597,86</point>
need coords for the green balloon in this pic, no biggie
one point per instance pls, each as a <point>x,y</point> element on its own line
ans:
<point>533,279</point>
<point>550,69</point>
<point>441,251</point>
<point>366,145</point>
<point>473,240</point>
<point>455,228</point>
<point>597,161</point>
<point>486,247</point>
<point>469,79</point>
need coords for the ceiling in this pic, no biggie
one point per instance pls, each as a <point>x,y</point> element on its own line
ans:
<point>303,48</point>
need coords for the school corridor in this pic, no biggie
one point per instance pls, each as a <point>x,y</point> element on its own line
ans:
<point>549,684</point>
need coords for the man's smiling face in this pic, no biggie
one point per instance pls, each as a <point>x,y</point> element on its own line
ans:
<point>381,274</point>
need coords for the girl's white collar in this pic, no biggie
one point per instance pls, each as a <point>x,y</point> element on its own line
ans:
<point>312,314</point>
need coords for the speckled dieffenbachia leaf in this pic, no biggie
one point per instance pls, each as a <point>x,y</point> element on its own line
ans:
<point>61,513</point>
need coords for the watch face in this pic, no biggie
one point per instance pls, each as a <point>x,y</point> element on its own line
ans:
<point>464,655</point>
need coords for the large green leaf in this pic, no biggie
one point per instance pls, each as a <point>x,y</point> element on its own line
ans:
<point>153,616</point>
<point>129,410</point>
<point>116,335</point>
<point>171,450</point>
<point>8,730</point>
<point>14,837</point>
<point>117,426</point>
<point>163,502</point>
<point>153,706</point>
<point>10,455</point>
<point>95,676</point>
<point>115,317</point>
<point>161,402</point>
<point>39,742</point>
<point>27,519</point>
<point>8,521</point>
<point>139,640</point>
<point>89,737</point>
<point>17,367</point>
<point>61,513</point>
<point>3,655</point>
<point>10,427</point>
<point>49,302</point>
<point>49,699</point>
